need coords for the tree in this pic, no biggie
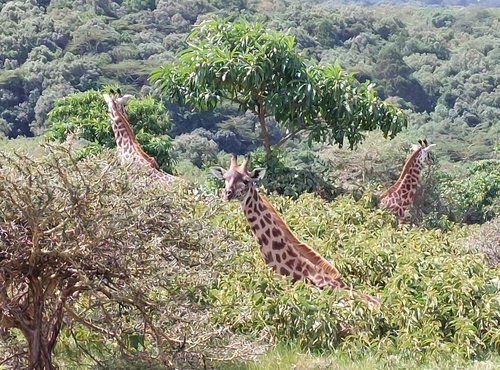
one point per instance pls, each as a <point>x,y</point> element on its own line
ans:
<point>260,70</point>
<point>86,113</point>
<point>96,253</point>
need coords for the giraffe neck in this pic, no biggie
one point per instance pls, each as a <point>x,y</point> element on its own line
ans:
<point>129,149</point>
<point>280,248</point>
<point>401,195</point>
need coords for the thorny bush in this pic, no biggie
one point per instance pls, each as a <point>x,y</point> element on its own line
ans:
<point>103,259</point>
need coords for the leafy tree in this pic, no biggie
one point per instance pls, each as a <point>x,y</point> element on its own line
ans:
<point>86,113</point>
<point>198,147</point>
<point>260,70</point>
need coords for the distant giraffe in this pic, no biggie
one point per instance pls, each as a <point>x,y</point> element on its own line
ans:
<point>281,249</point>
<point>400,196</point>
<point>129,150</point>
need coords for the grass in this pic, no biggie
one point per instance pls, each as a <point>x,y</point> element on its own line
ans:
<point>289,357</point>
<point>29,145</point>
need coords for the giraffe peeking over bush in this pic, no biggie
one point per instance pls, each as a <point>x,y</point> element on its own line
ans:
<point>400,196</point>
<point>281,249</point>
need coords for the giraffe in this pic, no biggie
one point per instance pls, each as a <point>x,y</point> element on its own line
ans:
<point>280,248</point>
<point>401,194</point>
<point>129,150</point>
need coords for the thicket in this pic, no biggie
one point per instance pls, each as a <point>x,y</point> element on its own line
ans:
<point>436,299</point>
<point>139,275</point>
<point>100,267</point>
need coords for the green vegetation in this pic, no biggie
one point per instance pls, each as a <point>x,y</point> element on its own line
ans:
<point>261,72</point>
<point>439,301</point>
<point>113,271</point>
<point>85,115</point>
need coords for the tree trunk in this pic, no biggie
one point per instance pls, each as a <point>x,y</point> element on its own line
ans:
<point>263,130</point>
<point>38,332</point>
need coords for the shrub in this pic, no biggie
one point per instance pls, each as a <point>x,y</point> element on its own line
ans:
<point>435,300</point>
<point>486,240</point>
<point>99,265</point>
<point>296,173</point>
<point>86,113</point>
<point>469,195</point>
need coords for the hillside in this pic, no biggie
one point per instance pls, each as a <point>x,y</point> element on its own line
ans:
<point>439,63</point>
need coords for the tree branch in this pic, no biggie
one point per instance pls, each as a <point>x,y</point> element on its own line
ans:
<point>287,137</point>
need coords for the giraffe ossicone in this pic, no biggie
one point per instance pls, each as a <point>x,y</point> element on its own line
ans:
<point>400,196</point>
<point>280,248</point>
<point>129,150</point>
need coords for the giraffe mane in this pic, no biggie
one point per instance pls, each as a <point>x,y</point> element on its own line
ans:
<point>136,145</point>
<point>406,169</point>
<point>303,249</point>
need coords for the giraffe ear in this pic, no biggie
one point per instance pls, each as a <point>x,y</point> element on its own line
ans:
<point>257,173</point>
<point>427,148</point>
<point>217,172</point>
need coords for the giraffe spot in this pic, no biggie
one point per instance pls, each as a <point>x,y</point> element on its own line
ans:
<point>284,256</point>
<point>252,219</point>
<point>284,271</point>
<point>262,223</point>
<point>278,258</point>
<point>291,252</point>
<point>255,227</point>
<point>298,266</point>
<point>262,207</point>
<point>256,209</point>
<point>290,264</point>
<point>309,268</point>
<point>255,197</point>
<point>263,240</point>
<point>276,232</point>
<point>267,217</point>
<point>268,232</point>
<point>278,245</point>
<point>248,201</point>
<point>296,277</point>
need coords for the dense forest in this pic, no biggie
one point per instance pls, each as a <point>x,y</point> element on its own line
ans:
<point>82,230</point>
<point>439,63</point>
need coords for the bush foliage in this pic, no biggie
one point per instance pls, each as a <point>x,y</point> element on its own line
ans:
<point>85,114</point>
<point>104,265</point>
<point>436,300</point>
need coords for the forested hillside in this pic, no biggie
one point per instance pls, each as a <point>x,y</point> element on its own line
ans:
<point>439,63</point>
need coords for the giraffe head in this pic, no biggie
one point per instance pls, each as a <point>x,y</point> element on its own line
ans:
<point>118,99</point>
<point>238,181</point>
<point>425,155</point>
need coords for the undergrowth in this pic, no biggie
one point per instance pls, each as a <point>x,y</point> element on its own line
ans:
<point>437,300</point>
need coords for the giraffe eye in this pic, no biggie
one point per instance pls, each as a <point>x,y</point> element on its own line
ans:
<point>246,181</point>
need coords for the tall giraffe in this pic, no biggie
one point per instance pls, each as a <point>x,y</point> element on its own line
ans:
<point>129,150</point>
<point>400,196</point>
<point>280,248</point>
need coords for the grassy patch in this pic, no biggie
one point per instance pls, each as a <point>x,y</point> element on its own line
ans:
<point>29,145</point>
<point>290,357</point>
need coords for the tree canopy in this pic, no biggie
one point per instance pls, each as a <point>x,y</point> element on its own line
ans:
<point>261,71</point>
